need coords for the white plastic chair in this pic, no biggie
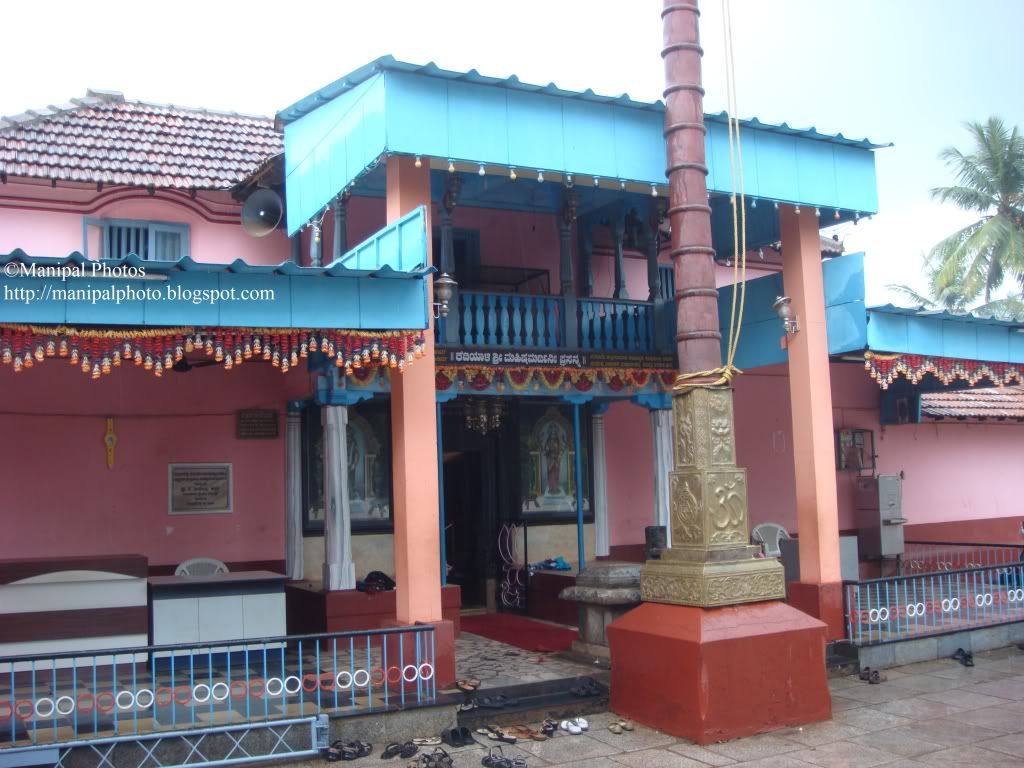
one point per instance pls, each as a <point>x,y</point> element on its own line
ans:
<point>768,536</point>
<point>201,566</point>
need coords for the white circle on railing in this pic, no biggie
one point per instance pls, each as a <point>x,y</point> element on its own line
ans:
<point>337,680</point>
<point>366,678</point>
<point>988,598</point>
<point>873,615</point>
<point>1011,595</point>
<point>430,668</point>
<point>49,712</point>
<point>1020,595</point>
<point>131,700</point>
<point>979,600</point>
<point>911,609</point>
<point>213,691</point>
<point>405,671</point>
<point>280,686</point>
<point>945,605</point>
<point>195,694</point>
<point>955,603</point>
<point>138,698</point>
<point>298,684</point>
<point>883,613</point>
<point>921,609</point>
<point>65,711</point>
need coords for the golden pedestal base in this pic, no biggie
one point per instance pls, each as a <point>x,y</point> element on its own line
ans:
<point>713,583</point>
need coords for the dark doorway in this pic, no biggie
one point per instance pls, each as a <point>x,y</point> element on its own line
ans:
<point>463,504</point>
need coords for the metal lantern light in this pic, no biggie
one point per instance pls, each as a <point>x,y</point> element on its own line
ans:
<point>444,289</point>
<point>784,310</point>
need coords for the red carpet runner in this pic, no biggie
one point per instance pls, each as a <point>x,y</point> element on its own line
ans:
<point>513,629</point>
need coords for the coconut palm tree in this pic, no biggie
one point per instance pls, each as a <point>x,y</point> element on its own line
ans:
<point>971,264</point>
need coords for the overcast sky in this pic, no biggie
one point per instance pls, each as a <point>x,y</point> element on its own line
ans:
<point>905,71</point>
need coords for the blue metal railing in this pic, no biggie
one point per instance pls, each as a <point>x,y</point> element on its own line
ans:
<point>126,691</point>
<point>510,320</point>
<point>938,556</point>
<point>912,606</point>
<point>613,325</point>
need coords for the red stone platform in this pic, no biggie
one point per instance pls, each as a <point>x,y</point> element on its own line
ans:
<point>719,673</point>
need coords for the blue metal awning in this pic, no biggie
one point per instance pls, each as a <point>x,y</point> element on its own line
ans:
<point>378,285</point>
<point>336,134</point>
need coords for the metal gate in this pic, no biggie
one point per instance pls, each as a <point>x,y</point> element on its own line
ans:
<point>215,746</point>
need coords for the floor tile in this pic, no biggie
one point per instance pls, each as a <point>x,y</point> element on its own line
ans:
<point>628,741</point>
<point>754,747</point>
<point>870,719</point>
<point>816,734</point>
<point>656,758</point>
<point>969,756</point>
<point>776,761</point>
<point>701,754</point>
<point>918,709</point>
<point>598,762</point>
<point>998,718</point>
<point>899,742</point>
<point>841,703</point>
<point>845,754</point>
<point>564,749</point>
<point>1012,744</point>
<point>964,699</point>
<point>949,732</point>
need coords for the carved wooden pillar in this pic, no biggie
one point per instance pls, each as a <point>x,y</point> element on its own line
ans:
<point>711,561</point>
<point>565,222</point>
<point>601,538</point>
<point>617,226</point>
<point>449,326</point>
<point>340,208</point>
<point>339,570</point>
<point>586,256</point>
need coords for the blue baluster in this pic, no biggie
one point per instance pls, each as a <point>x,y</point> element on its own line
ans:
<point>528,322</point>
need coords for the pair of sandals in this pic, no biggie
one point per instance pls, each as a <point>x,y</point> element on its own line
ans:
<point>872,676</point>
<point>575,726</point>
<point>347,750</point>
<point>494,733</point>
<point>394,749</point>
<point>964,657</point>
<point>495,758</point>
<point>526,734</point>
<point>618,726</point>
<point>467,684</point>
<point>439,758</point>
<point>457,737</point>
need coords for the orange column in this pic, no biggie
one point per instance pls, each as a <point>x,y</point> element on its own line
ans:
<point>819,591</point>
<point>414,437</point>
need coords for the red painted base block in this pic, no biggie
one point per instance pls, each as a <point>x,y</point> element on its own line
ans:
<point>822,601</point>
<point>444,650</point>
<point>719,673</point>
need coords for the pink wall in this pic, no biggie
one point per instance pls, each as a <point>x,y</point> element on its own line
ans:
<point>44,221</point>
<point>629,453</point>
<point>952,471</point>
<point>59,498</point>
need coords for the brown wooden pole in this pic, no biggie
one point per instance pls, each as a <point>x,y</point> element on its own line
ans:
<point>698,337</point>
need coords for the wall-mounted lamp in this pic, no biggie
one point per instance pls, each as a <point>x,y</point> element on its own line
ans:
<point>785,312</point>
<point>444,289</point>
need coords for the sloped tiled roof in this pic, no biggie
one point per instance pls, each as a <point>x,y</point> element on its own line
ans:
<point>991,403</point>
<point>105,138</point>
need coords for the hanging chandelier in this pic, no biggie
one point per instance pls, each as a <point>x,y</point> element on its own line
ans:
<point>484,414</point>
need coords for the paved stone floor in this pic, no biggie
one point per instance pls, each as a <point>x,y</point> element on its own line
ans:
<point>496,664</point>
<point>937,713</point>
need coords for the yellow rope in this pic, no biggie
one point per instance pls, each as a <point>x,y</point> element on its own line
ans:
<point>723,375</point>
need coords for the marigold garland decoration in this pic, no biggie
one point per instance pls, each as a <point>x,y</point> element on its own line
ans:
<point>521,379</point>
<point>885,369</point>
<point>99,350</point>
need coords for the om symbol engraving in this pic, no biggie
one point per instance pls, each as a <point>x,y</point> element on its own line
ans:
<point>729,511</point>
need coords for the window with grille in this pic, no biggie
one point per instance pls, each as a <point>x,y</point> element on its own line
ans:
<point>149,240</point>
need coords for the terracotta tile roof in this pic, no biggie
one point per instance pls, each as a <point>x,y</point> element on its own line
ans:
<point>104,138</point>
<point>990,403</point>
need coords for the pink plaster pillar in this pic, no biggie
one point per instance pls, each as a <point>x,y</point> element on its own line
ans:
<point>820,590</point>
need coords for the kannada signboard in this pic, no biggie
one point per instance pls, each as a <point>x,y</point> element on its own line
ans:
<point>256,424</point>
<point>197,489</point>
<point>493,357</point>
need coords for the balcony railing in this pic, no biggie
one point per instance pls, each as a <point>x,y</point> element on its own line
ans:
<point>528,321</point>
<point>614,325</point>
<point>510,320</point>
<point>937,556</point>
<point>132,691</point>
<point>912,606</point>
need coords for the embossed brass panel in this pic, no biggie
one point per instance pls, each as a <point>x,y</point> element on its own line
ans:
<point>710,562</point>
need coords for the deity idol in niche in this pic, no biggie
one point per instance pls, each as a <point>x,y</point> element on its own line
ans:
<point>553,448</point>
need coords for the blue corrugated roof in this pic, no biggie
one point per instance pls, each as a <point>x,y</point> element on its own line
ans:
<point>389,63</point>
<point>941,314</point>
<point>237,266</point>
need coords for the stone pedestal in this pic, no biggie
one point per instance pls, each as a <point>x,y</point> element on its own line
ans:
<point>604,592</point>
